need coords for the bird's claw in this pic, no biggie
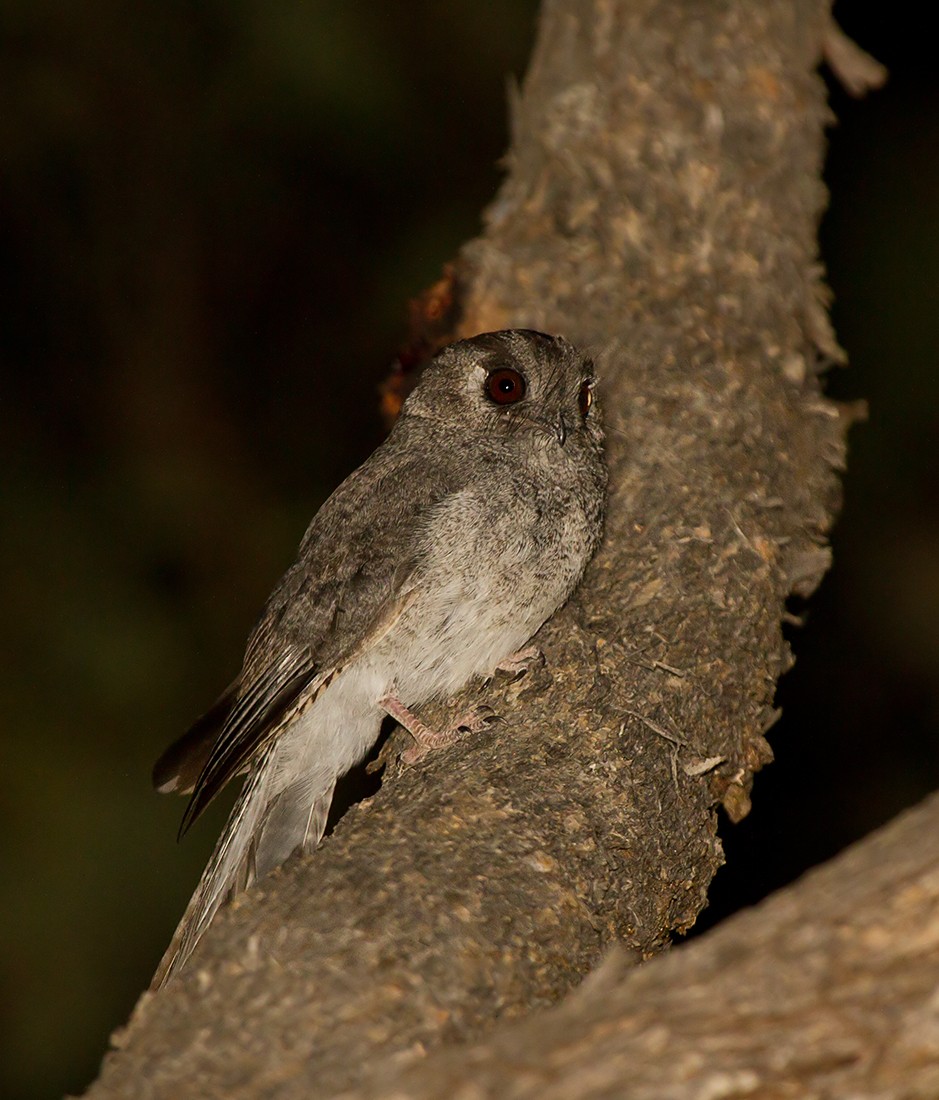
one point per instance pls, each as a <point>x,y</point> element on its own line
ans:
<point>516,664</point>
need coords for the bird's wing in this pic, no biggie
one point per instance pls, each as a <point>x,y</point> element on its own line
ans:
<point>262,706</point>
<point>178,769</point>
<point>358,569</point>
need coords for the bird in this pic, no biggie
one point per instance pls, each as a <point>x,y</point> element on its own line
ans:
<point>432,564</point>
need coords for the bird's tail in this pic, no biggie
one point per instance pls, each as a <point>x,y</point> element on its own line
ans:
<point>264,828</point>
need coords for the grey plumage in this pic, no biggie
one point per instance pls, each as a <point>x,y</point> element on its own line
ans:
<point>438,557</point>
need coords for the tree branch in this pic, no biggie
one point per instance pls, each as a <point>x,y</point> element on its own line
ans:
<point>661,206</point>
<point>827,989</point>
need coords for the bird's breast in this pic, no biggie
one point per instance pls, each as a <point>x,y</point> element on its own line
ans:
<point>494,567</point>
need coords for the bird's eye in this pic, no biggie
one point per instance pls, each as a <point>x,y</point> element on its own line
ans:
<point>585,399</point>
<point>505,386</point>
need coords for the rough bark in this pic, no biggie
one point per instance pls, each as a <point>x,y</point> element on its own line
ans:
<point>829,989</point>
<point>661,208</point>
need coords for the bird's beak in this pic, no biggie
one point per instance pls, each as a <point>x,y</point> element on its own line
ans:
<point>560,429</point>
<point>557,429</point>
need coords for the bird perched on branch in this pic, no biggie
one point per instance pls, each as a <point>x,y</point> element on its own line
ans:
<point>432,563</point>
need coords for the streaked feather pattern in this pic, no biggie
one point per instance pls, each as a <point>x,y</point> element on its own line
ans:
<point>254,719</point>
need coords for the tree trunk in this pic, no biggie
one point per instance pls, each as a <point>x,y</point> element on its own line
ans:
<point>661,209</point>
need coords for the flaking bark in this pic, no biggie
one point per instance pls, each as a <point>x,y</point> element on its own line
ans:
<point>661,206</point>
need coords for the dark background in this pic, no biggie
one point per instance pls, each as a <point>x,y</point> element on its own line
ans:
<point>211,216</point>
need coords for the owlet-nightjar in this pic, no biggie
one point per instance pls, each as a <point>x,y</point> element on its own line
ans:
<point>431,564</point>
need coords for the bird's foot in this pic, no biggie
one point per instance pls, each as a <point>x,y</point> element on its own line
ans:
<point>517,663</point>
<point>426,739</point>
